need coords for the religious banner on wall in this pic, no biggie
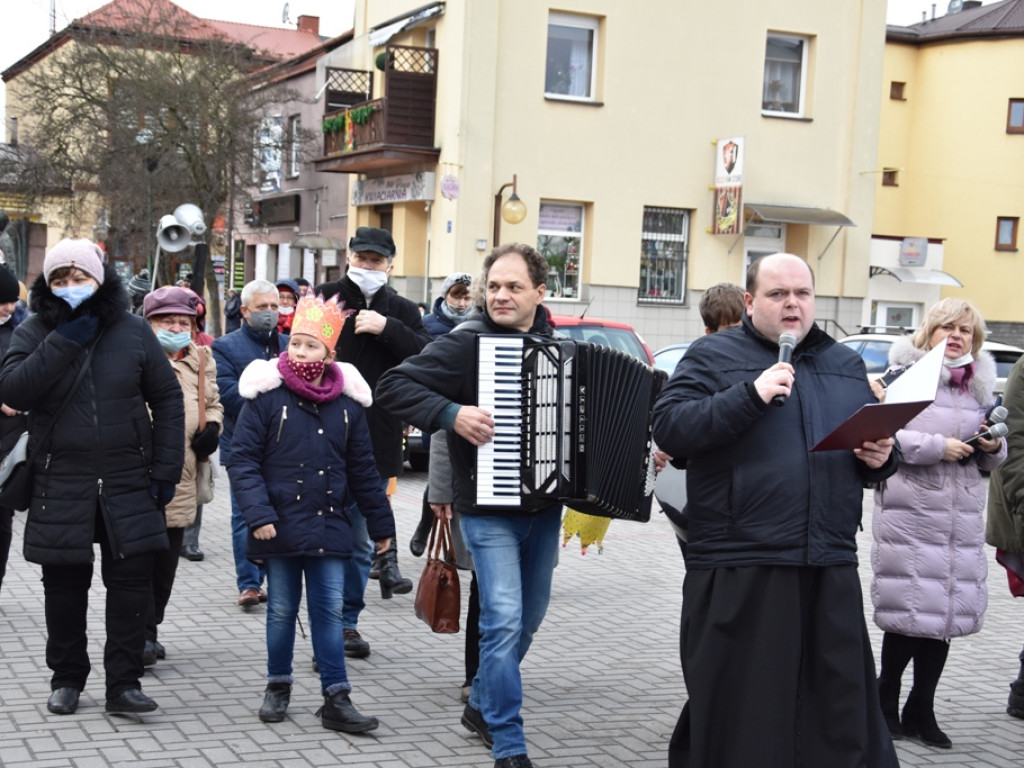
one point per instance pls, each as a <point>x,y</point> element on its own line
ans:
<point>728,216</point>
<point>267,161</point>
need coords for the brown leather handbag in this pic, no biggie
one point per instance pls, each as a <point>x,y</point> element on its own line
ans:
<point>437,595</point>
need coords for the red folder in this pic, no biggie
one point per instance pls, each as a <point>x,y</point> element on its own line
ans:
<point>874,421</point>
<point>906,397</point>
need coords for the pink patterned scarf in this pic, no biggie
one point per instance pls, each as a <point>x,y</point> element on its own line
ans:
<point>329,388</point>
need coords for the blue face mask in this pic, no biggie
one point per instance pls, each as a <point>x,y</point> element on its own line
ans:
<point>173,342</point>
<point>75,294</point>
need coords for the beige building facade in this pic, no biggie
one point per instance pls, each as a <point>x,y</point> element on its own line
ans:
<point>610,120</point>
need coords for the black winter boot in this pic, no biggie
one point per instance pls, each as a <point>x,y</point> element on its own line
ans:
<point>391,580</point>
<point>338,714</point>
<point>275,702</point>
<point>418,542</point>
<point>919,722</point>
<point>889,698</point>
<point>1015,704</point>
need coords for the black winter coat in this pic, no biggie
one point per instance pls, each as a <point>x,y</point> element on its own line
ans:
<point>233,352</point>
<point>419,389</point>
<point>105,449</point>
<point>403,336</point>
<point>436,321</point>
<point>11,427</point>
<point>300,474</point>
<point>755,493</point>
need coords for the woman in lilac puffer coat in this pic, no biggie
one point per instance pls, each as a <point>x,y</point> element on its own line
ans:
<point>929,532</point>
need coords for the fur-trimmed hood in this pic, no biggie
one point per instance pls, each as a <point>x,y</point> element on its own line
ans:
<point>262,376</point>
<point>107,304</point>
<point>983,382</point>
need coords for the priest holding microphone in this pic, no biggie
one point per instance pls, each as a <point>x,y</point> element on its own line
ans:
<point>775,651</point>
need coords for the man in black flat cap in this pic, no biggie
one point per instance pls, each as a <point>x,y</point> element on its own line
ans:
<point>383,329</point>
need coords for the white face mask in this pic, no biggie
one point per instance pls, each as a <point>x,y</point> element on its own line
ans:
<point>285,311</point>
<point>369,280</point>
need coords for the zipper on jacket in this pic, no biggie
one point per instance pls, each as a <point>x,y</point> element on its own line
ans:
<point>344,444</point>
<point>280,426</point>
<point>112,537</point>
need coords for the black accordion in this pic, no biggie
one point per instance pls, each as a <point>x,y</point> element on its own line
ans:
<point>572,424</point>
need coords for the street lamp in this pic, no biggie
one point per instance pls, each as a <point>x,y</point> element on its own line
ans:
<point>144,138</point>
<point>512,210</point>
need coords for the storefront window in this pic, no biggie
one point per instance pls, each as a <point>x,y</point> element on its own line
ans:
<point>560,241</point>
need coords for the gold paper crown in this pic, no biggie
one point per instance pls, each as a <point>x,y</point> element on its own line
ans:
<point>320,319</point>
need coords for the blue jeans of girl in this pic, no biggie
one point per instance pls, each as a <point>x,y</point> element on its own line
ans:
<point>325,587</point>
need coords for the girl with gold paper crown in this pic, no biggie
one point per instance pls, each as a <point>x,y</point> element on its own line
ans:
<point>300,451</point>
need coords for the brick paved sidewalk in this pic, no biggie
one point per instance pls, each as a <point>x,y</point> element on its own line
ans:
<point>602,681</point>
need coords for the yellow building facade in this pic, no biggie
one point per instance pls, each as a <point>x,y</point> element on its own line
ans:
<point>952,144</point>
<point>610,119</point>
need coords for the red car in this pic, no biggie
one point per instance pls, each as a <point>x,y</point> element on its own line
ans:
<point>607,333</point>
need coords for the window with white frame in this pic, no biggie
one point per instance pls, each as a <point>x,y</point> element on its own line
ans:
<point>294,145</point>
<point>572,56</point>
<point>664,246</point>
<point>785,75</point>
<point>560,241</point>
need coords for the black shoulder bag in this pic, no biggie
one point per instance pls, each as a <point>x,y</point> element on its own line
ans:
<point>16,469</point>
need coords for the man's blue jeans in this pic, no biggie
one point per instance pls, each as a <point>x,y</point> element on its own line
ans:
<point>514,559</point>
<point>325,577</point>
<point>357,569</point>
<point>248,575</point>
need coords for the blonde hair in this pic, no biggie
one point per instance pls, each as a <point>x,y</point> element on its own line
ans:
<point>949,311</point>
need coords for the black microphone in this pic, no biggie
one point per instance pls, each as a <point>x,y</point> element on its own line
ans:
<point>787,341</point>
<point>996,414</point>
<point>999,429</point>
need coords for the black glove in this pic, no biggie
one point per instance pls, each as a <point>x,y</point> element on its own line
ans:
<point>206,440</point>
<point>162,492</point>
<point>80,330</point>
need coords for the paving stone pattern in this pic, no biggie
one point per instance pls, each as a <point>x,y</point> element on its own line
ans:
<point>602,680</point>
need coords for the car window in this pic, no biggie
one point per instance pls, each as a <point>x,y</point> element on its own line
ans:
<point>667,359</point>
<point>876,355</point>
<point>1005,362</point>
<point>614,338</point>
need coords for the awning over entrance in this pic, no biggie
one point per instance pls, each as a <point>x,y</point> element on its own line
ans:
<point>318,243</point>
<point>918,275</point>
<point>796,214</point>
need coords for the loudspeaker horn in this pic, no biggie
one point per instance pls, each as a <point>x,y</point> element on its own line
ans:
<point>191,216</point>
<point>172,235</point>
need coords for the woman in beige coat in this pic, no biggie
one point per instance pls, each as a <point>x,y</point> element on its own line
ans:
<point>171,313</point>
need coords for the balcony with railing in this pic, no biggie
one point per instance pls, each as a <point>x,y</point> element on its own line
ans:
<point>397,130</point>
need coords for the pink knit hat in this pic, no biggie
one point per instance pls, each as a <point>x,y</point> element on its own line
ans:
<point>81,254</point>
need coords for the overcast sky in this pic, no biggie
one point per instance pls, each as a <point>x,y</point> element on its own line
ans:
<point>26,23</point>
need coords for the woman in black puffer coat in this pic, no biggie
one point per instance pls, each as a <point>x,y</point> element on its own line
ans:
<point>104,472</point>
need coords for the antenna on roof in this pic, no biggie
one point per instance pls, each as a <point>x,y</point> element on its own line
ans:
<point>53,17</point>
<point>284,15</point>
